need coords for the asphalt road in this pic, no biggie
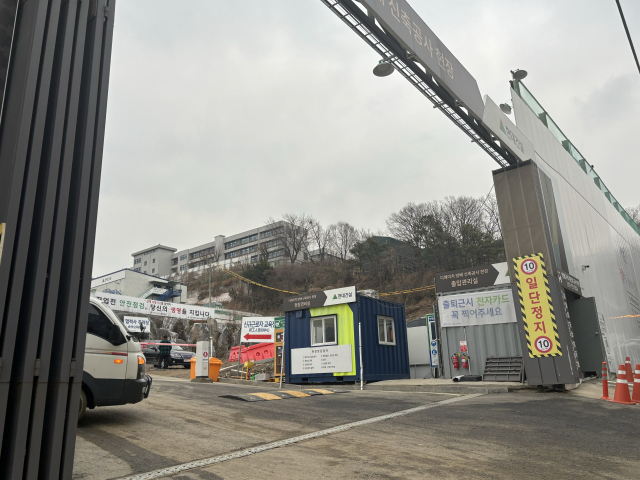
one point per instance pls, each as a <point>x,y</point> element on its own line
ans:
<point>518,435</point>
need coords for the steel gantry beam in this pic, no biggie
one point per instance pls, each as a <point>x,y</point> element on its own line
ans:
<point>365,26</point>
<point>52,124</point>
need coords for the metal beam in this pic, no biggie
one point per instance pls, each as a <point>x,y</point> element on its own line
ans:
<point>390,49</point>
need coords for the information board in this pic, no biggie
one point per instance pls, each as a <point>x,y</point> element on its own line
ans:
<point>478,308</point>
<point>322,359</point>
<point>536,305</point>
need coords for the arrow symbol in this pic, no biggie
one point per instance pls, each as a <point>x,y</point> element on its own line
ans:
<point>249,336</point>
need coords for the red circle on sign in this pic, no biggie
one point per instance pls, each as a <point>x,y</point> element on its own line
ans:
<point>543,344</point>
<point>529,266</point>
<point>205,354</point>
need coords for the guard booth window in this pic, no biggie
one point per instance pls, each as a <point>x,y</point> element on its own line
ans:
<point>323,331</point>
<point>386,331</point>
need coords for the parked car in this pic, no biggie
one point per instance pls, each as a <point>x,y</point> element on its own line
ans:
<point>179,356</point>
<point>114,367</point>
<point>150,351</point>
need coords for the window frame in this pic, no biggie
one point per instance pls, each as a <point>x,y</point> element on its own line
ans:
<point>113,327</point>
<point>386,319</point>
<point>324,332</point>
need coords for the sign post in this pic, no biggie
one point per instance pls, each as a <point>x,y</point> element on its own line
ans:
<point>433,342</point>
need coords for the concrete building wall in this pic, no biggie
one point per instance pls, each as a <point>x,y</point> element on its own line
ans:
<point>154,260</point>
<point>134,284</point>
<point>603,250</point>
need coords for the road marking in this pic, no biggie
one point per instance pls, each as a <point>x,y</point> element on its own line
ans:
<point>267,396</point>
<point>321,390</point>
<point>289,441</point>
<point>281,395</point>
<point>296,393</point>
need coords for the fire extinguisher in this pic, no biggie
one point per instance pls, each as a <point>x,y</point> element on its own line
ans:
<point>456,363</point>
<point>465,362</point>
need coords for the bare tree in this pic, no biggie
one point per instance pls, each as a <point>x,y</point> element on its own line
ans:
<point>409,223</point>
<point>319,239</point>
<point>457,212</point>
<point>208,259</point>
<point>292,232</point>
<point>492,217</point>
<point>634,213</point>
<point>345,238</point>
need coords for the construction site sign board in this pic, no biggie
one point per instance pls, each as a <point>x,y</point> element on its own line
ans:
<point>536,306</point>
<point>257,329</point>
<point>326,298</point>
<point>398,18</point>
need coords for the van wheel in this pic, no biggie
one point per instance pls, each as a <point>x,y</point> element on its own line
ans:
<point>187,366</point>
<point>83,404</point>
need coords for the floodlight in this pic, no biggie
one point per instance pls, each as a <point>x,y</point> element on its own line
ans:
<point>505,108</point>
<point>519,74</point>
<point>383,69</point>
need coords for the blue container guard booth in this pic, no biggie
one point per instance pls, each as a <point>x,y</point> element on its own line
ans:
<point>322,343</point>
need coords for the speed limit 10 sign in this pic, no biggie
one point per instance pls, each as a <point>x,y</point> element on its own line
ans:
<point>536,306</point>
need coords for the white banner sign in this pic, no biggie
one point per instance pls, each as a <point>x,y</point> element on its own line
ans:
<point>479,308</point>
<point>137,324</point>
<point>257,329</point>
<point>327,359</point>
<point>143,306</point>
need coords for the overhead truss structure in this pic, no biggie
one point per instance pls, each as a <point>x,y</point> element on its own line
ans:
<point>363,23</point>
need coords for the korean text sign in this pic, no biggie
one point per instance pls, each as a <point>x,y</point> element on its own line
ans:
<point>257,329</point>
<point>536,305</point>
<point>478,308</point>
<point>407,26</point>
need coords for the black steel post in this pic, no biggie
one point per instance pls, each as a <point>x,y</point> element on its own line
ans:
<point>51,142</point>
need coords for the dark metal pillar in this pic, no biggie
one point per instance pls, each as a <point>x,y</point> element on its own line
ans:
<point>51,141</point>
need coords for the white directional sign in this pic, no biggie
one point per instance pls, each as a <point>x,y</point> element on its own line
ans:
<point>257,329</point>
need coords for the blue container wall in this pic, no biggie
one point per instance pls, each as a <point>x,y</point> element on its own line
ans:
<point>297,334</point>
<point>383,362</point>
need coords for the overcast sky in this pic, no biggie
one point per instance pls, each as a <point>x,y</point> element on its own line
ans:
<point>224,113</point>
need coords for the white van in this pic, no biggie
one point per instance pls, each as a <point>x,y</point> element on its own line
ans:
<point>114,366</point>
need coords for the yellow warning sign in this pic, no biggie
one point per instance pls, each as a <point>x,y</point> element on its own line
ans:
<point>536,306</point>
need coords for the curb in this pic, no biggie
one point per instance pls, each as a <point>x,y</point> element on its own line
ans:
<point>450,389</point>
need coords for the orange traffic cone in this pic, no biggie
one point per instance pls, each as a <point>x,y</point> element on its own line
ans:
<point>629,370</point>
<point>621,394</point>
<point>636,386</point>
<point>605,383</point>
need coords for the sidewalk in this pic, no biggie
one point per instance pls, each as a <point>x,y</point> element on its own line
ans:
<point>429,385</point>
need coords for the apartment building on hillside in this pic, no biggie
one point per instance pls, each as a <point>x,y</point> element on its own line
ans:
<point>242,248</point>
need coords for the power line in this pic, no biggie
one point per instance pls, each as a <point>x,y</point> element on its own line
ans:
<point>401,292</point>
<point>626,29</point>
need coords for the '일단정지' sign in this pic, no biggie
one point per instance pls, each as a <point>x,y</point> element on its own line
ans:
<point>536,305</point>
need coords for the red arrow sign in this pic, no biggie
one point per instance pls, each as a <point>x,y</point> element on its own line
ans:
<point>249,336</point>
